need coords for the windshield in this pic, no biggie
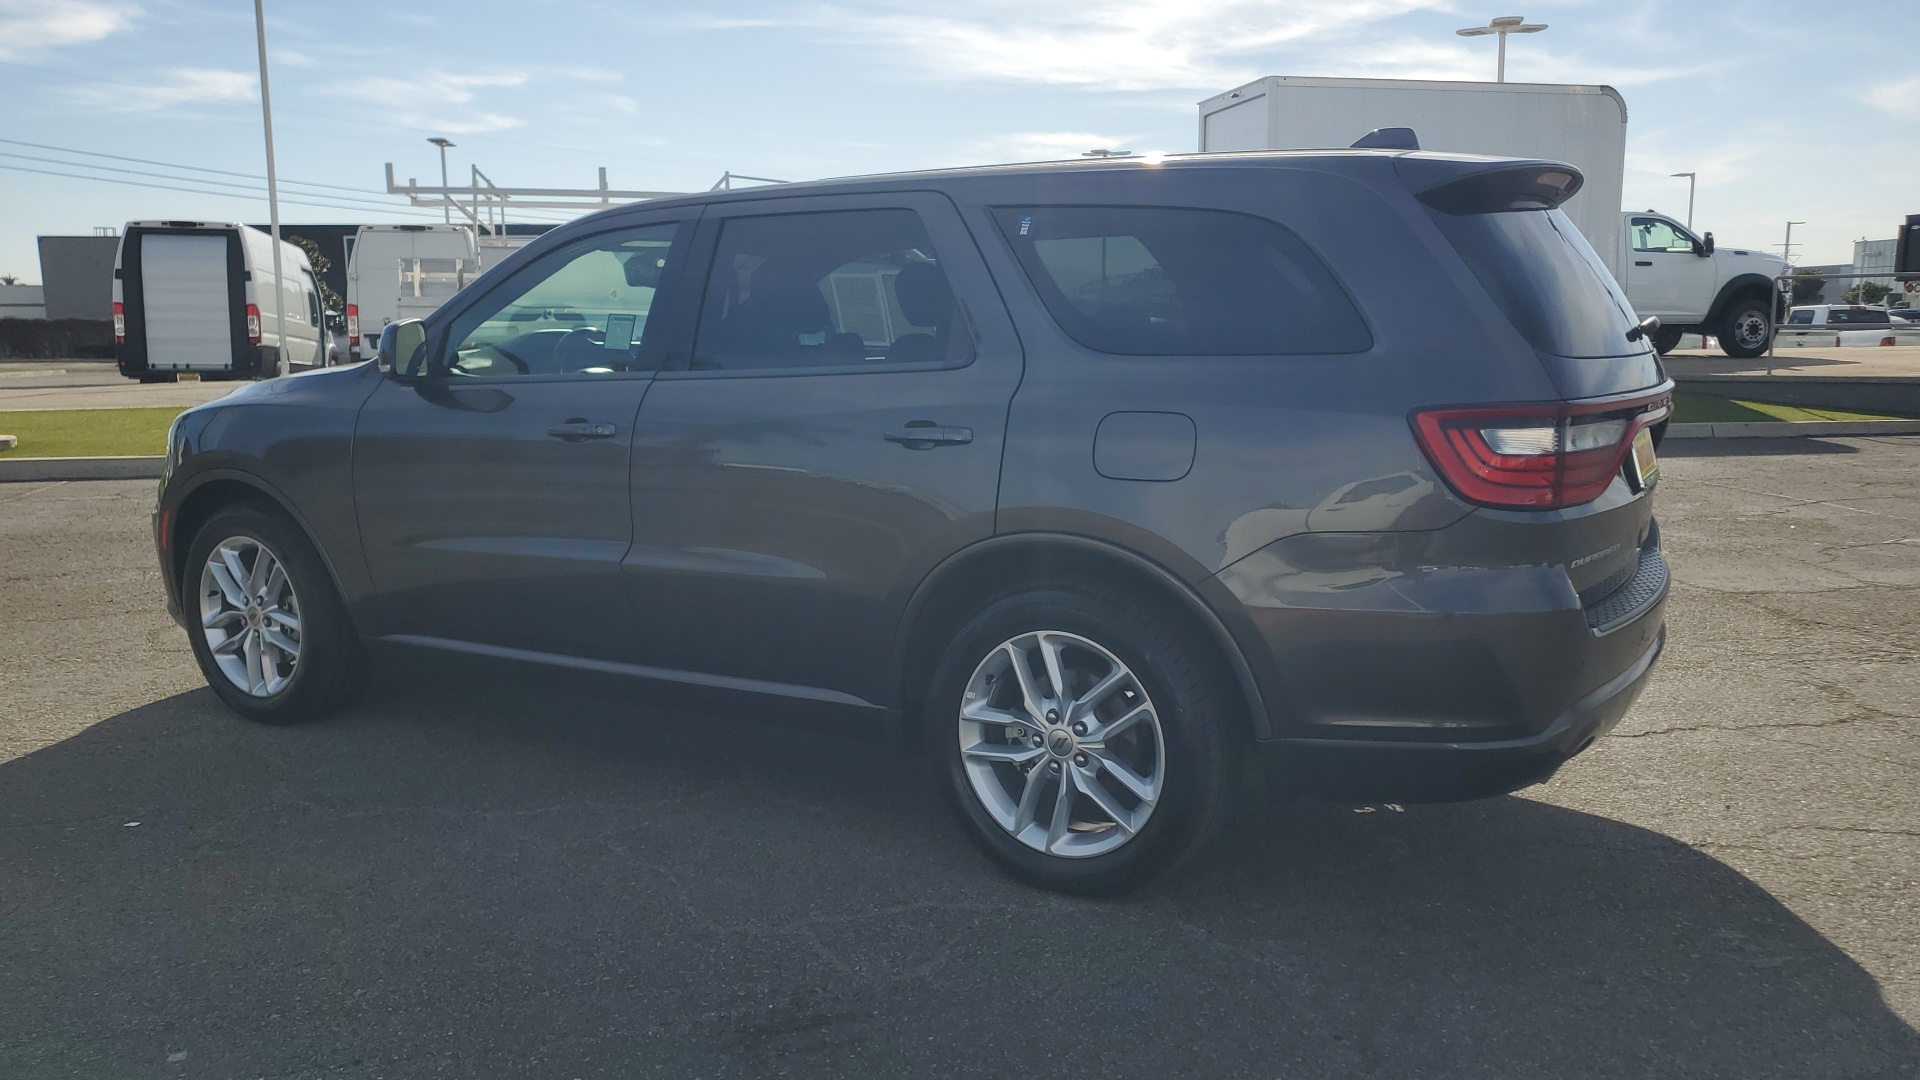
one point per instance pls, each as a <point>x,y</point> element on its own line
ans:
<point>1546,279</point>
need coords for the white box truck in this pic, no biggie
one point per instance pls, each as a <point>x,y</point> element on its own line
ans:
<point>1661,265</point>
<point>201,297</point>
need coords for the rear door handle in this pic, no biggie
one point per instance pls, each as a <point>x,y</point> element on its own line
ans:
<point>1643,262</point>
<point>581,430</point>
<point>925,435</point>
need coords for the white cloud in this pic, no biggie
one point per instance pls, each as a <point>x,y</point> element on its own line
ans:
<point>430,100</point>
<point>179,86</point>
<point>1103,44</point>
<point>1896,97</point>
<point>429,88</point>
<point>27,26</point>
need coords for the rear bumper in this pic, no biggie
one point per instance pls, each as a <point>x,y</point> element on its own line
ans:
<point>1374,771</point>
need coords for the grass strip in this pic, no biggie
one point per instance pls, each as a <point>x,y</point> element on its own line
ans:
<point>1692,407</point>
<point>89,432</point>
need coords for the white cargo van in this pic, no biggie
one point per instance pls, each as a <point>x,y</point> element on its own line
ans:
<point>1662,267</point>
<point>201,297</point>
<point>403,272</point>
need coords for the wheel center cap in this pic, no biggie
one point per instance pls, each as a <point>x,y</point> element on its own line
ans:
<point>1060,742</point>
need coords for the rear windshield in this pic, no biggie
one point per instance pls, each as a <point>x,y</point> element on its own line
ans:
<point>1167,281</point>
<point>1546,279</point>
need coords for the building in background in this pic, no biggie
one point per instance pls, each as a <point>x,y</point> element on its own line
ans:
<point>1876,257</point>
<point>77,274</point>
<point>22,302</point>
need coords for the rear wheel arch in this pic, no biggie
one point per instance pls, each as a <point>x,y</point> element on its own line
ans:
<point>973,578</point>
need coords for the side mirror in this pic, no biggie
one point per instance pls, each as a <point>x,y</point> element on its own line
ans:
<point>1706,248</point>
<point>403,349</point>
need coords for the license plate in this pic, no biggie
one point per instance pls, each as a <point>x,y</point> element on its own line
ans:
<point>1646,469</point>
<point>188,376</point>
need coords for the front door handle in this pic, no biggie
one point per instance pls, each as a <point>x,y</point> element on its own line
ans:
<point>581,430</point>
<point>925,435</point>
<point>1643,262</point>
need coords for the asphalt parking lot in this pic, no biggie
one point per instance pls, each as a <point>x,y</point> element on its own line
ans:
<point>484,872</point>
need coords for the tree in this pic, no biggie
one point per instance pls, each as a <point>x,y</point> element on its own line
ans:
<point>1807,285</point>
<point>329,299</point>
<point>1867,292</point>
<point>9,279</point>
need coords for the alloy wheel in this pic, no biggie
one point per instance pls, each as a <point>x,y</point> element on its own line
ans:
<point>250,616</point>
<point>1061,744</point>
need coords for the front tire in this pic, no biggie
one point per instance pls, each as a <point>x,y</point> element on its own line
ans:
<point>268,629</point>
<point>1084,739</point>
<point>1747,328</point>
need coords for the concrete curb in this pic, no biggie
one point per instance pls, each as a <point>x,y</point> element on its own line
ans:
<point>1775,429</point>
<point>45,469</point>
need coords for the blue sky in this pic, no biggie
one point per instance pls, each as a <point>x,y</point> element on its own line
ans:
<point>1780,119</point>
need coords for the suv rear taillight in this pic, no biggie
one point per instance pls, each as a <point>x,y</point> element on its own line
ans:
<point>353,323</point>
<point>1534,457</point>
<point>253,324</point>
<point>119,323</point>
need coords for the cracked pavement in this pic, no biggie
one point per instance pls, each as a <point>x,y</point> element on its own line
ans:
<point>497,872</point>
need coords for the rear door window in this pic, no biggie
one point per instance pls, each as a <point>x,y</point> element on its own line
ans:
<point>1166,281</point>
<point>828,289</point>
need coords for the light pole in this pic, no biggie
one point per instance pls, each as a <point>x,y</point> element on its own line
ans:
<point>446,211</point>
<point>1504,25</point>
<point>273,193</point>
<point>1690,182</point>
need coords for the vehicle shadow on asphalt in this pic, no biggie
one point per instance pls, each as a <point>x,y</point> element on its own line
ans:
<point>489,874</point>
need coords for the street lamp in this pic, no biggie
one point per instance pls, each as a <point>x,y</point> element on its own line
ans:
<point>273,191</point>
<point>1690,182</point>
<point>446,209</point>
<point>1504,25</point>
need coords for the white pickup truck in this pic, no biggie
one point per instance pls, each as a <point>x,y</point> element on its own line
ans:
<point>1696,287</point>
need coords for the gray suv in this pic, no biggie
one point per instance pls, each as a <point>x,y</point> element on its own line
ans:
<point>1090,482</point>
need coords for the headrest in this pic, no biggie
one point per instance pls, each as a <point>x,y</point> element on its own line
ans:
<point>925,298</point>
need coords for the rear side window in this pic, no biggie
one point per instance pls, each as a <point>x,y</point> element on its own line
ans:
<point>1546,279</point>
<point>828,289</point>
<point>1800,318</point>
<point>1164,281</point>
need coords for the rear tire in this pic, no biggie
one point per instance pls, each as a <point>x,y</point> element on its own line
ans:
<point>1116,804</point>
<point>1747,328</point>
<point>276,646</point>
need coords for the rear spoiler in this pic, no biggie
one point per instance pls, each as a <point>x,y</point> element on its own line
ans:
<point>1463,185</point>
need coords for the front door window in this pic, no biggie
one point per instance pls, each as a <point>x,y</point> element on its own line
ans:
<point>584,312</point>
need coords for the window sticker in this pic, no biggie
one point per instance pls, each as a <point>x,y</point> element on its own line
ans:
<point>1026,225</point>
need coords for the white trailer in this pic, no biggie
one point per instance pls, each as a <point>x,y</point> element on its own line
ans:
<point>1584,126</point>
<point>404,272</point>
<point>1664,269</point>
<point>201,297</point>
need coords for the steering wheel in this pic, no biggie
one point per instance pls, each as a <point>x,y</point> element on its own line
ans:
<point>579,350</point>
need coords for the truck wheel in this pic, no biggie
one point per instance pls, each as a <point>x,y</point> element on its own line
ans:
<point>1747,327</point>
<point>1666,339</point>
